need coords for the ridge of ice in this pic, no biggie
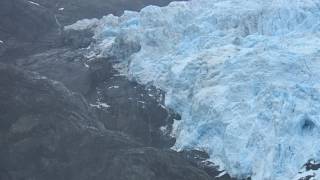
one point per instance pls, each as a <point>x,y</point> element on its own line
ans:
<point>244,75</point>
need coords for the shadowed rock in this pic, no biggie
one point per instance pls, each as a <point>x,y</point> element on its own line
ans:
<point>48,132</point>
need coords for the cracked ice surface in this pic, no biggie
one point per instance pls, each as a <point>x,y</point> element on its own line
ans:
<point>245,76</point>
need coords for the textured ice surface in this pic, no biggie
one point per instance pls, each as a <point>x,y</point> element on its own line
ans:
<point>244,74</point>
<point>83,24</point>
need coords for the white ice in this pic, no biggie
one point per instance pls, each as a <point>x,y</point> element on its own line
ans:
<point>113,87</point>
<point>244,75</point>
<point>34,3</point>
<point>83,24</point>
<point>100,105</point>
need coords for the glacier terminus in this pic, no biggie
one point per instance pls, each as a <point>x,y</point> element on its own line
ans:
<point>243,74</point>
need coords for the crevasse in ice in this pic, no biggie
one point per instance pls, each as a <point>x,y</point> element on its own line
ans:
<point>244,74</point>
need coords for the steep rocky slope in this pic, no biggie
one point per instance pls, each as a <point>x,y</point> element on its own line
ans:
<point>48,132</point>
<point>120,104</point>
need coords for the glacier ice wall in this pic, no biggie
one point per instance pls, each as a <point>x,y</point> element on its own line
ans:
<point>244,74</point>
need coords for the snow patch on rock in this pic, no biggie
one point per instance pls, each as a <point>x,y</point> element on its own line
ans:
<point>34,3</point>
<point>100,105</point>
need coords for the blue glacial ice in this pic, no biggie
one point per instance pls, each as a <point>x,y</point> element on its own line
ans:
<point>244,75</point>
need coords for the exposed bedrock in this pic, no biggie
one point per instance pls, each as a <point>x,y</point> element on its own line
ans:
<point>49,132</point>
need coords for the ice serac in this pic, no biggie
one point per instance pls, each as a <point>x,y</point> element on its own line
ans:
<point>244,75</point>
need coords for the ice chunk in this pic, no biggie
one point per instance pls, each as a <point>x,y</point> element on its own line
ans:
<point>100,105</point>
<point>114,87</point>
<point>82,24</point>
<point>34,3</point>
<point>86,65</point>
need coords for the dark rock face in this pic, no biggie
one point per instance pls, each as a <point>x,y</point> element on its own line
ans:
<point>199,159</point>
<point>161,165</point>
<point>133,108</point>
<point>24,20</point>
<point>24,93</point>
<point>76,39</point>
<point>25,28</point>
<point>64,64</point>
<point>48,132</point>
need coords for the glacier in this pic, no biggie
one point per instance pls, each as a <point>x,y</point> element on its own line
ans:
<point>244,75</point>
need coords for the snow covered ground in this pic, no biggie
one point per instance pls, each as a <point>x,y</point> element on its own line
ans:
<point>244,75</point>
